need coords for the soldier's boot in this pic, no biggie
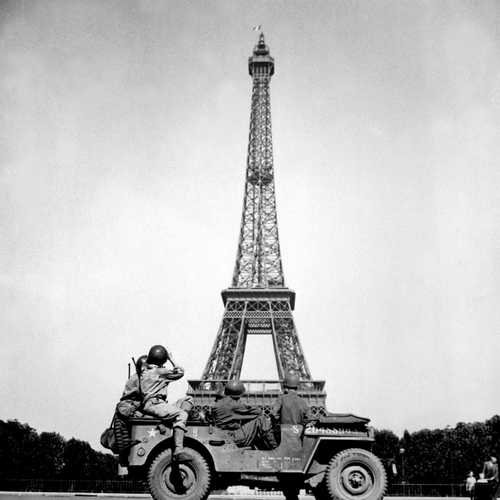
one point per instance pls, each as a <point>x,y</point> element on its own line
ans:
<point>268,436</point>
<point>123,462</point>
<point>270,440</point>
<point>179,455</point>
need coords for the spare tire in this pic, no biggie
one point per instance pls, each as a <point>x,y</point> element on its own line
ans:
<point>355,474</point>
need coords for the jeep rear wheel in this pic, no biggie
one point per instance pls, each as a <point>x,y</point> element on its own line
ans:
<point>355,474</point>
<point>186,480</point>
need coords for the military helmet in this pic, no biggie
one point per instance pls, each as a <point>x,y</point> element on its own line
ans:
<point>291,380</point>
<point>141,360</point>
<point>234,388</point>
<point>158,355</point>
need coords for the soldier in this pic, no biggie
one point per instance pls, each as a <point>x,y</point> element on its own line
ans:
<point>290,408</point>
<point>249,425</point>
<point>129,403</point>
<point>154,383</point>
<point>131,398</point>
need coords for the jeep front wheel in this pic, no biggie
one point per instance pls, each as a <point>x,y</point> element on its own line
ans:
<point>355,474</point>
<point>186,480</point>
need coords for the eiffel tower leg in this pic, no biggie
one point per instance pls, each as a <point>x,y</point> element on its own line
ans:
<point>288,348</point>
<point>255,312</point>
<point>229,344</point>
<point>235,373</point>
<point>277,354</point>
<point>222,355</point>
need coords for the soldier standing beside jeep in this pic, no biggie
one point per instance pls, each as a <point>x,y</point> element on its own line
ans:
<point>290,408</point>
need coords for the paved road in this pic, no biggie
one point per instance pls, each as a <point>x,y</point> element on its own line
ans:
<point>112,496</point>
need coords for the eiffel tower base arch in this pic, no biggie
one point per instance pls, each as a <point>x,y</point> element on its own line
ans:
<point>255,311</point>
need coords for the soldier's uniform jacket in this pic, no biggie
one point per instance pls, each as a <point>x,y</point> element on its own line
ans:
<point>290,408</point>
<point>131,398</point>
<point>229,413</point>
<point>155,380</point>
<point>131,390</point>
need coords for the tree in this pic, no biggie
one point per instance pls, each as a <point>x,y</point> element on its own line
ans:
<point>386,444</point>
<point>447,455</point>
<point>77,459</point>
<point>17,444</point>
<point>83,462</point>
<point>50,455</point>
<point>24,454</point>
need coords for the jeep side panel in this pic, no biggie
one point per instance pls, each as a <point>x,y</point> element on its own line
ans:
<point>294,454</point>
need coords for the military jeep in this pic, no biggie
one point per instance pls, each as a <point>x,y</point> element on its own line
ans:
<point>331,458</point>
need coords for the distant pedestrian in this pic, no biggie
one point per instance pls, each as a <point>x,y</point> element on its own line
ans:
<point>470,483</point>
<point>490,471</point>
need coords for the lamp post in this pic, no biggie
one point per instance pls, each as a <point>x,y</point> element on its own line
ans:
<point>403,481</point>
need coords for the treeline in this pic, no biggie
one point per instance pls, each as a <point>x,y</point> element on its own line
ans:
<point>440,455</point>
<point>426,456</point>
<point>26,454</point>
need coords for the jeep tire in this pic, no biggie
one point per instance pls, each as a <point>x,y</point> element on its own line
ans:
<point>186,480</point>
<point>355,474</point>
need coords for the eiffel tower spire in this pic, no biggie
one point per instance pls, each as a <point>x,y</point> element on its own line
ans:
<point>258,303</point>
<point>258,261</point>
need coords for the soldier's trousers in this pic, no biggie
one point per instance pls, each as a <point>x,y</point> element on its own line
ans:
<point>158,407</point>
<point>123,440</point>
<point>257,432</point>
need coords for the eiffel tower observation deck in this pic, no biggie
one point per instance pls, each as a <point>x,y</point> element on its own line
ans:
<point>258,302</point>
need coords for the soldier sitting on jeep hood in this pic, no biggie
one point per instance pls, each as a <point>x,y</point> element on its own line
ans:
<point>154,383</point>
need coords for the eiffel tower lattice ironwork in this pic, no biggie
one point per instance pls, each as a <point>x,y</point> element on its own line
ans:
<point>258,302</point>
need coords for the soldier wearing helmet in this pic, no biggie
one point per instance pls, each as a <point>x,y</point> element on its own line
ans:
<point>129,403</point>
<point>290,408</point>
<point>154,382</point>
<point>249,425</point>
<point>230,411</point>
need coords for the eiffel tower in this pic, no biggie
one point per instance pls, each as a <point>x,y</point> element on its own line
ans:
<point>258,302</point>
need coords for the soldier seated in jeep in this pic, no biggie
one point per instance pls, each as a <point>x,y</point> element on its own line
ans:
<point>248,425</point>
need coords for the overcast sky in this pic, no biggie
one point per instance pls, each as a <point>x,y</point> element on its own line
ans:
<point>123,131</point>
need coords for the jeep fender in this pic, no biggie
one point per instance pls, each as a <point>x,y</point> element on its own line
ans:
<point>144,453</point>
<point>326,447</point>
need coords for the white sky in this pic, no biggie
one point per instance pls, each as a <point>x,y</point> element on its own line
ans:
<point>123,138</point>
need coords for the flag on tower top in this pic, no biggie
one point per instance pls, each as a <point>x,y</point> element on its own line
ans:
<point>257,28</point>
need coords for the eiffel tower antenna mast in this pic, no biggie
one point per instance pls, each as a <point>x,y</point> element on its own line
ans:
<point>258,302</point>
